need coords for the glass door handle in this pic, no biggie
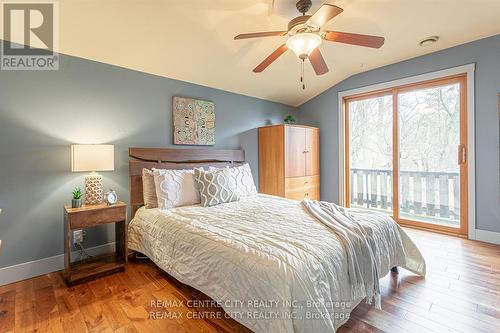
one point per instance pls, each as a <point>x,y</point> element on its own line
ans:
<point>462,154</point>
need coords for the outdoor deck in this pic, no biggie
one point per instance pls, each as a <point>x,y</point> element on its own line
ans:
<point>424,196</point>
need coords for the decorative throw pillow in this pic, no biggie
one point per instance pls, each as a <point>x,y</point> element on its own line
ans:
<point>216,186</point>
<point>242,176</point>
<point>175,188</point>
<point>148,189</point>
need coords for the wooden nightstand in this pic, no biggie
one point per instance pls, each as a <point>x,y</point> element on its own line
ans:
<point>90,216</point>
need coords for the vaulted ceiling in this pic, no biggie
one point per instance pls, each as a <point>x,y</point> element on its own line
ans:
<point>192,40</point>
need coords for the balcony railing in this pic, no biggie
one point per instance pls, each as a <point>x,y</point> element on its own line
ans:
<point>428,196</point>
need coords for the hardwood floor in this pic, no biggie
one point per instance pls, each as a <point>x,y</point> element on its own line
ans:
<point>459,294</point>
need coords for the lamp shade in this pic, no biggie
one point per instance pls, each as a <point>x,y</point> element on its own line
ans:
<point>87,158</point>
<point>303,44</point>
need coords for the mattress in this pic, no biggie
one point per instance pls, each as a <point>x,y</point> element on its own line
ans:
<point>264,259</point>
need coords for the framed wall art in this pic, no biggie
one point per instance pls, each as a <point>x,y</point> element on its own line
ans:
<point>194,121</point>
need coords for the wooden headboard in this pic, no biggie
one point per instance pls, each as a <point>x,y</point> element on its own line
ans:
<point>173,158</point>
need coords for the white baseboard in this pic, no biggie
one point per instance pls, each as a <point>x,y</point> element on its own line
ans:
<point>487,236</point>
<point>43,266</point>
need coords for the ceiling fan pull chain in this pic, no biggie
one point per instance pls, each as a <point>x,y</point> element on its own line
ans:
<point>302,72</point>
<point>302,79</point>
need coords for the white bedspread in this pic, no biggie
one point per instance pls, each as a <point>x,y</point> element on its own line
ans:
<point>271,265</point>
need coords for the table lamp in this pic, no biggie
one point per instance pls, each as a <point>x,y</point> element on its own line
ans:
<point>92,158</point>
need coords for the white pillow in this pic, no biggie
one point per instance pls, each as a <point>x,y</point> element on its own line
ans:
<point>149,189</point>
<point>175,188</point>
<point>242,175</point>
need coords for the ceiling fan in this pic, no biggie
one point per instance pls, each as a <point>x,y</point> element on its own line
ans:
<point>305,35</point>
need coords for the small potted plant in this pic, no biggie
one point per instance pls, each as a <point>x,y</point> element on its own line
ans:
<point>290,119</point>
<point>77,198</point>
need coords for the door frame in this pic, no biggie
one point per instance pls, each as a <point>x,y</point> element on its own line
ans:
<point>387,88</point>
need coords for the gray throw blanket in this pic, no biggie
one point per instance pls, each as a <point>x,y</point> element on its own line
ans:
<point>359,245</point>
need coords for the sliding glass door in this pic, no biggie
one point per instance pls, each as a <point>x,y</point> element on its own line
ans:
<point>370,152</point>
<point>406,153</point>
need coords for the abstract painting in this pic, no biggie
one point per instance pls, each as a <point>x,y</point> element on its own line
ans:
<point>194,122</point>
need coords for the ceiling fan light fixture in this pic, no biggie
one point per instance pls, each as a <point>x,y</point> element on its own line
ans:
<point>303,44</point>
<point>306,35</point>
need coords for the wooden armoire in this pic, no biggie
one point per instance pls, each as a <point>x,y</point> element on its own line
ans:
<point>289,161</point>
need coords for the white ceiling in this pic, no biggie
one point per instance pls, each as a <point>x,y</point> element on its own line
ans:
<point>192,40</point>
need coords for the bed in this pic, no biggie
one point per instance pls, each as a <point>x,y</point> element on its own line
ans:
<point>272,266</point>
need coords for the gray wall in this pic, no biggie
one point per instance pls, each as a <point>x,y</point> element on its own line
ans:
<point>323,111</point>
<point>42,113</point>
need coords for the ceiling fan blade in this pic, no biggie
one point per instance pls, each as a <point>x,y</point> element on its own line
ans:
<point>354,39</point>
<point>271,58</point>
<point>324,14</point>
<point>318,62</point>
<point>261,34</point>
